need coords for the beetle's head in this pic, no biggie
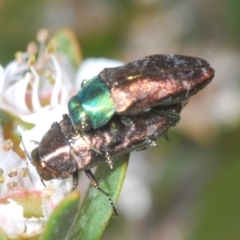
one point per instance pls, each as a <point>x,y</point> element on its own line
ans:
<point>79,117</point>
<point>52,158</point>
<point>43,170</point>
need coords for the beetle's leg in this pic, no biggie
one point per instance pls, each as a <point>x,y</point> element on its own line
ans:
<point>114,132</point>
<point>35,142</point>
<point>94,182</point>
<point>175,119</point>
<point>175,116</point>
<point>75,179</point>
<point>106,154</point>
<point>109,160</point>
<point>129,122</point>
<point>43,182</point>
<point>150,142</point>
<point>168,139</point>
<point>25,150</point>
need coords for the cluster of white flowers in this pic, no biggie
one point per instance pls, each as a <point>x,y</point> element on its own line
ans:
<point>25,202</point>
<point>35,88</point>
<point>24,85</point>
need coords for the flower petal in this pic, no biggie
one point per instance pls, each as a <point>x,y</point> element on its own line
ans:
<point>92,66</point>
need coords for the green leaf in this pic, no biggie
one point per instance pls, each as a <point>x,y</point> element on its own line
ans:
<point>2,236</point>
<point>68,44</point>
<point>96,210</point>
<point>61,219</point>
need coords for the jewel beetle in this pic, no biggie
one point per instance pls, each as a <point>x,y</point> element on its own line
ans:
<point>137,86</point>
<point>147,91</point>
<point>60,154</point>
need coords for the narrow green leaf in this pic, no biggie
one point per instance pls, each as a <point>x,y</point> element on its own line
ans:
<point>96,211</point>
<point>62,218</point>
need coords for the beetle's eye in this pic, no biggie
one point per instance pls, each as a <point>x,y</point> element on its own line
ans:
<point>35,157</point>
<point>40,166</point>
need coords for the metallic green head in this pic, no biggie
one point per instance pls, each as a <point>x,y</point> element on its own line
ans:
<point>92,107</point>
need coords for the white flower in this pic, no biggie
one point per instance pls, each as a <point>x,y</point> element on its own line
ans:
<point>36,90</point>
<point>25,202</point>
<point>92,66</point>
<point>34,81</point>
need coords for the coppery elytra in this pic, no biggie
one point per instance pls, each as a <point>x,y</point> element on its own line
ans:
<point>130,89</point>
<point>123,109</point>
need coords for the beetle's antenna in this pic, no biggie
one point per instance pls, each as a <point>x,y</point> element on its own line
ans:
<point>94,182</point>
<point>25,150</point>
<point>90,146</point>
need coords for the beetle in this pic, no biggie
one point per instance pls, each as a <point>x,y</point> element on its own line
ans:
<point>60,154</point>
<point>121,110</point>
<point>137,86</point>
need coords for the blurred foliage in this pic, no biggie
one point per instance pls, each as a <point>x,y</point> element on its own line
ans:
<point>195,181</point>
<point>62,218</point>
